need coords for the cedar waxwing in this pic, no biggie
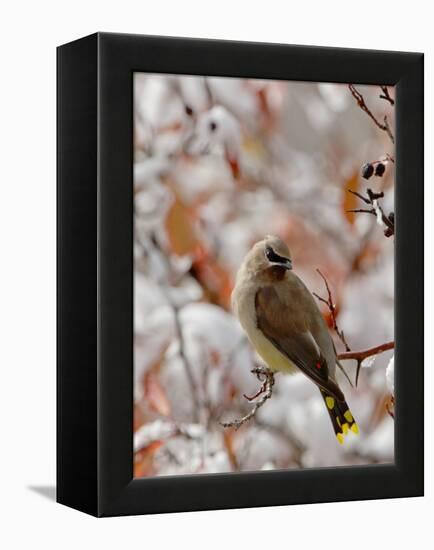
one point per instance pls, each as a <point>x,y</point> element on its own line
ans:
<point>285,326</point>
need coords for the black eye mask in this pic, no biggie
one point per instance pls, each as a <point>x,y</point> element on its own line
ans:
<point>273,257</point>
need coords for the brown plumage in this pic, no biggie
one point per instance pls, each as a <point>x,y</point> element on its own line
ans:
<point>292,336</point>
<point>284,324</point>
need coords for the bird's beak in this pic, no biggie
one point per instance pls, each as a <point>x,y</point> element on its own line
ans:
<point>287,264</point>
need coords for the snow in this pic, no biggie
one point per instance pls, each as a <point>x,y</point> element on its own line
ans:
<point>228,161</point>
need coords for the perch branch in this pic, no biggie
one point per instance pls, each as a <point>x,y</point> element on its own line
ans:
<point>362,104</point>
<point>267,378</point>
<point>360,356</point>
<point>364,354</point>
<point>332,308</point>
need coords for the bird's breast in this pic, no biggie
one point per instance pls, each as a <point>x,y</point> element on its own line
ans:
<point>246,312</point>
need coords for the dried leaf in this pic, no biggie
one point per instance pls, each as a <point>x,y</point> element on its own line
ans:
<point>180,229</point>
<point>156,397</point>
<point>350,201</point>
<point>329,317</point>
<point>228,439</point>
<point>214,279</point>
<point>143,459</point>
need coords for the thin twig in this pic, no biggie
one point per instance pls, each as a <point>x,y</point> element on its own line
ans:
<point>388,157</point>
<point>187,366</point>
<point>361,211</point>
<point>267,391</point>
<point>362,104</point>
<point>386,95</point>
<point>360,356</point>
<point>332,308</point>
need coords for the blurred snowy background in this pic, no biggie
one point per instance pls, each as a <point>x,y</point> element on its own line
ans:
<point>218,164</point>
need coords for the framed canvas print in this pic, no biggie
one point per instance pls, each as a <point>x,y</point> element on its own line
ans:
<point>240,274</point>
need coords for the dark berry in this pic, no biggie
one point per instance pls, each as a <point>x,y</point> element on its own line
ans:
<point>367,170</point>
<point>212,126</point>
<point>380,169</point>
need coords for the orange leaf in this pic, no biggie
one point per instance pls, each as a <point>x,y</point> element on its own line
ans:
<point>143,459</point>
<point>180,229</point>
<point>214,279</point>
<point>228,439</point>
<point>156,397</point>
<point>350,201</point>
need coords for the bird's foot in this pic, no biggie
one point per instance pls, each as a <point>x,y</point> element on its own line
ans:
<point>262,372</point>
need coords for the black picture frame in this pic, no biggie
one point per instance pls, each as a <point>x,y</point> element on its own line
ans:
<point>95,274</point>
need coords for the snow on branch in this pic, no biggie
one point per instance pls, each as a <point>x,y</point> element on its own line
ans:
<point>372,199</point>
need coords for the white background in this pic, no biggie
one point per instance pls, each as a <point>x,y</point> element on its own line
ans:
<point>30,31</point>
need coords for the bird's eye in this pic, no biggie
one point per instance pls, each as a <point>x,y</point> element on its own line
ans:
<point>275,258</point>
<point>269,252</point>
<point>272,256</point>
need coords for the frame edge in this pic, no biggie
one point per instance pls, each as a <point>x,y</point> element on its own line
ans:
<point>77,472</point>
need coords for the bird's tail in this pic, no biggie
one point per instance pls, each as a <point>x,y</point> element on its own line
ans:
<point>341,417</point>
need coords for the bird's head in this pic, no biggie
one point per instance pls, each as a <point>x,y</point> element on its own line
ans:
<point>269,259</point>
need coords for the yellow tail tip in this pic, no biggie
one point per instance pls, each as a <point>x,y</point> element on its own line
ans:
<point>355,428</point>
<point>348,416</point>
<point>340,437</point>
<point>345,428</point>
<point>330,402</point>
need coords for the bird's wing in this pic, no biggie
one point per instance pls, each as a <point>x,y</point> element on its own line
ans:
<point>288,331</point>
